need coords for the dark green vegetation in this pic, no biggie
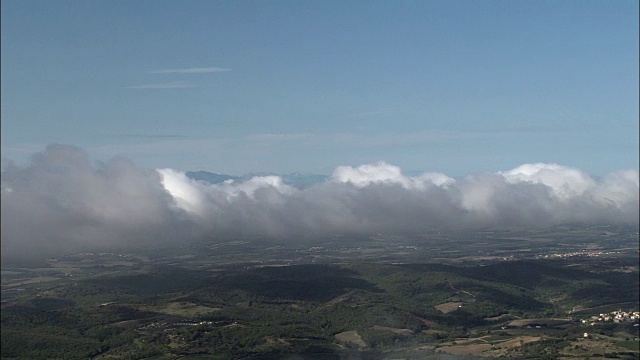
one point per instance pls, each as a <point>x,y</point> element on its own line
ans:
<point>268,301</point>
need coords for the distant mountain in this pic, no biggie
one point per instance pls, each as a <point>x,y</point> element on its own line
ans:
<point>303,180</point>
<point>211,178</point>
<point>295,179</point>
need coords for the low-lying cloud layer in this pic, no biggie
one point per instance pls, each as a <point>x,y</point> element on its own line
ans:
<point>62,201</point>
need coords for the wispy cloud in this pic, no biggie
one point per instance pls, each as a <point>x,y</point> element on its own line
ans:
<point>190,70</point>
<point>169,85</point>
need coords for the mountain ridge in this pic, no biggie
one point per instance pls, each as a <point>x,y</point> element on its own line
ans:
<point>295,179</point>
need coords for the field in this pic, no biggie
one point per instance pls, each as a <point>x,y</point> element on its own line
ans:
<point>448,307</point>
<point>514,293</point>
<point>351,337</point>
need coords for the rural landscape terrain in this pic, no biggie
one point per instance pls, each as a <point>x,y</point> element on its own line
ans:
<point>342,180</point>
<point>566,292</point>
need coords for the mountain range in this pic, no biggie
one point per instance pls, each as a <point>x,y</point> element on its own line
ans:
<point>298,180</point>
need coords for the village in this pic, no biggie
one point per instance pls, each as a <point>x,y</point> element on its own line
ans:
<point>614,316</point>
<point>583,253</point>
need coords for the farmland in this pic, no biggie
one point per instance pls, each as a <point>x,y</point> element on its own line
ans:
<point>502,292</point>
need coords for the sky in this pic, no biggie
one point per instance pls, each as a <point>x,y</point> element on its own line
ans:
<point>453,87</point>
<point>423,115</point>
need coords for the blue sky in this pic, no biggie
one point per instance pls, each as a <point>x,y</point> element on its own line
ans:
<point>457,87</point>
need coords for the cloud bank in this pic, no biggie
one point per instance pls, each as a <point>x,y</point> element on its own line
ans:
<point>63,201</point>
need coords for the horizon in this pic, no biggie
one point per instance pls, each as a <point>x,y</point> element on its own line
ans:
<point>65,200</point>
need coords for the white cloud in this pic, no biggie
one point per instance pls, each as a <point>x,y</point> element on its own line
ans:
<point>383,173</point>
<point>184,191</point>
<point>364,175</point>
<point>565,182</point>
<point>253,185</point>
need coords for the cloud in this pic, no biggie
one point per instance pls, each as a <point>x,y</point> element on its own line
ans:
<point>564,182</point>
<point>190,70</point>
<point>62,201</point>
<point>383,173</point>
<point>169,85</point>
